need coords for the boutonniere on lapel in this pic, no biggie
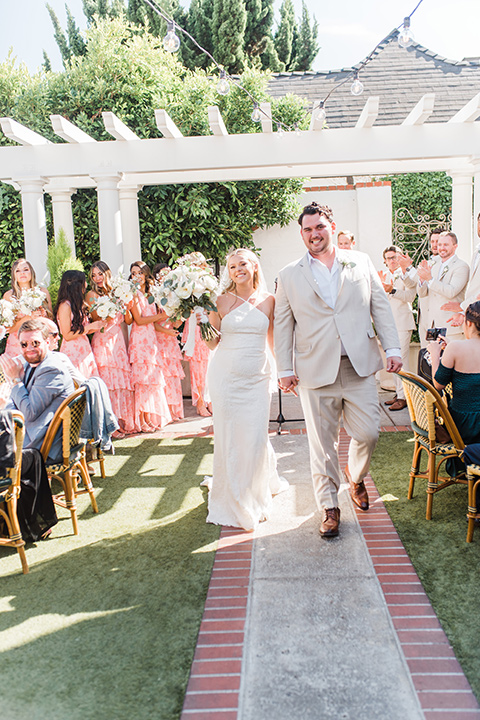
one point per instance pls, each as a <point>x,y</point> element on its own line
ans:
<point>444,272</point>
<point>346,264</point>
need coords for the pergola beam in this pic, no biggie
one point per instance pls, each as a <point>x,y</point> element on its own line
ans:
<point>369,113</point>
<point>68,131</point>
<point>166,125</point>
<point>115,127</point>
<point>469,113</point>
<point>215,121</point>
<point>422,110</point>
<point>13,130</point>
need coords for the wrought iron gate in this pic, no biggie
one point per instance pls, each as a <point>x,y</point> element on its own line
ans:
<point>412,233</point>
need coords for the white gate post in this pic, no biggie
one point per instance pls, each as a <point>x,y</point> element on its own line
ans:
<point>130,225</point>
<point>62,213</point>
<point>462,207</point>
<point>34,224</point>
<point>109,221</point>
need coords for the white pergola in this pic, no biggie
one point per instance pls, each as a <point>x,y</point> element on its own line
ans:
<point>118,169</point>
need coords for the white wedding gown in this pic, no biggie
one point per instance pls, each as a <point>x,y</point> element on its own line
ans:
<point>244,466</point>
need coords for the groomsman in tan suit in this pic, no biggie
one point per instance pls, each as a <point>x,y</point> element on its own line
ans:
<point>326,344</point>
<point>401,298</point>
<point>412,281</point>
<point>444,282</point>
<point>472,291</point>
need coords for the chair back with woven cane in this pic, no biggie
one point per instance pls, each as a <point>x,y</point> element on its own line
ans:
<point>68,418</point>
<point>429,411</point>
<point>9,492</point>
<point>473,511</point>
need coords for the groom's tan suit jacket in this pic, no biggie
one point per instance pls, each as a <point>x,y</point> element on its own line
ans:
<point>309,334</point>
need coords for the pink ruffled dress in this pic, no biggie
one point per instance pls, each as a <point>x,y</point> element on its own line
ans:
<point>110,352</point>
<point>80,353</point>
<point>198,366</point>
<point>173,372</point>
<point>146,362</point>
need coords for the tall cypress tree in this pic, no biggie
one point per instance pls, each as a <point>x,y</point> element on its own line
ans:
<point>76,42</point>
<point>228,33</point>
<point>306,46</point>
<point>59,35</point>
<point>285,32</point>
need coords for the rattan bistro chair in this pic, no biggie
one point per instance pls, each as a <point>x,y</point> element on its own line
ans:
<point>473,512</point>
<point>426,407</point>
<point>69,417</point>
<point>9,491</point>
<point>96,454</point>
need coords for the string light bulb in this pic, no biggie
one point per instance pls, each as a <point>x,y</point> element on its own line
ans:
<point>223,86</point>
<point>405,38</point>
<point>171,41</point>
<point>356,88</point>
<point>256,114</point>
<point>320,113</point>
<point>280,131</point>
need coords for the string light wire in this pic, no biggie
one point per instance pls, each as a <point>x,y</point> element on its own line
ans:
<point>224,76</point>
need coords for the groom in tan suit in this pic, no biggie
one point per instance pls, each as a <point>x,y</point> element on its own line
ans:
<point>326,344</point>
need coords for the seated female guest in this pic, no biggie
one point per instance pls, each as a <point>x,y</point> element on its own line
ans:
<point>23,278</point>
<point>72,318</point>
<point>110,350</point>
<point>460,365</point>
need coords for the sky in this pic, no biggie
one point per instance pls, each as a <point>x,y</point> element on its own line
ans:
<point>348,29</point>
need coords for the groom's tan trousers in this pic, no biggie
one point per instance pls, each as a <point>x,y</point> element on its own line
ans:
<point>356,398</point>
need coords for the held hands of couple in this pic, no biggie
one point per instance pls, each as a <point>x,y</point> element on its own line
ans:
<point>394,364</point>
<point>288,384</point>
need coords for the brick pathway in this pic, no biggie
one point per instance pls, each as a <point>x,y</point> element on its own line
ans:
<point>213,688</point>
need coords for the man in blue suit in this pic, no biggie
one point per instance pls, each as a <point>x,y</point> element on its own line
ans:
<point>40,387</point>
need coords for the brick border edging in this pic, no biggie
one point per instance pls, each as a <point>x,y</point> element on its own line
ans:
<point>213,688</point>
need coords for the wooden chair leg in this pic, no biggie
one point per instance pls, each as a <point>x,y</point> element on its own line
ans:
<point>431,485</point>
<point>414,471</point>
<point>14,532</point>
<point>470,529</point>
<point>70,501</point>
<point>101,461</point>
<point>82,465</point>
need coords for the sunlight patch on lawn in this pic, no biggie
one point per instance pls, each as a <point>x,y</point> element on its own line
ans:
<point>42,625</point>
<point>388,498</point>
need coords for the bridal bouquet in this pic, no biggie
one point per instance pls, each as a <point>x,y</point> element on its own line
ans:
<point>107,306</point>
<point>31,300</point>
<point>187,289</point>
<point>123,289</point>
<point>8,314</point>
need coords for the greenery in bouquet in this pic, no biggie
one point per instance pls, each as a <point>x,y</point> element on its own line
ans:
<point>123,290</point>
<point>188,288</point>
<point>8,314</point>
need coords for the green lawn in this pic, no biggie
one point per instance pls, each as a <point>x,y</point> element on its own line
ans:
<point>104,626</point>
<point>447,566</point>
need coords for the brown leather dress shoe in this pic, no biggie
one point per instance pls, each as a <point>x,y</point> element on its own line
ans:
<point>331,521</point>
<point>358,491</point>
<point>399,404</point>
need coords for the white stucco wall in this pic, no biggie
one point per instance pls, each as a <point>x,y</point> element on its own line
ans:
<point>364,210</point>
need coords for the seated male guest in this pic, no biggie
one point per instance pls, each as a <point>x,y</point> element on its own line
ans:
<point>40,387</point>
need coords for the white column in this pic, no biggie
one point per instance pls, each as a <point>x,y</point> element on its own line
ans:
<point>34,225</point>
<point>462,210</point>
<point>130,225</point>
<point>62,213</point>
<point>374,221</point>
<point>109,221</point>
<point>476,197</point>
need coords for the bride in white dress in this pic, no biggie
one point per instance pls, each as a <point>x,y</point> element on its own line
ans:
<point>244,467</point>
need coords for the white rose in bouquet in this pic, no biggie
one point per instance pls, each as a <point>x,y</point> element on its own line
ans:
<point>31,299</point>
<point>8,312</point>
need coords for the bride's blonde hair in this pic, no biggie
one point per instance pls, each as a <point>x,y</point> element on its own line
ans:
<point>227,284</point>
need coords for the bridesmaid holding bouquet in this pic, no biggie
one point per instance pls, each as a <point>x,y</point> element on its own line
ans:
<point>167,337</point>
<point>151,407</point>
<point>72,319</point>
<point>110,351</point>
<point>23,278</point>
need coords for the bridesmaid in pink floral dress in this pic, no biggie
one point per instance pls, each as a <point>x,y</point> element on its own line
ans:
<point>198,372</point>
<point>151,407</point>
<point>167,337</point>
<point>110,351</point>
<point>72,318</point>
<point>23,278</point>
